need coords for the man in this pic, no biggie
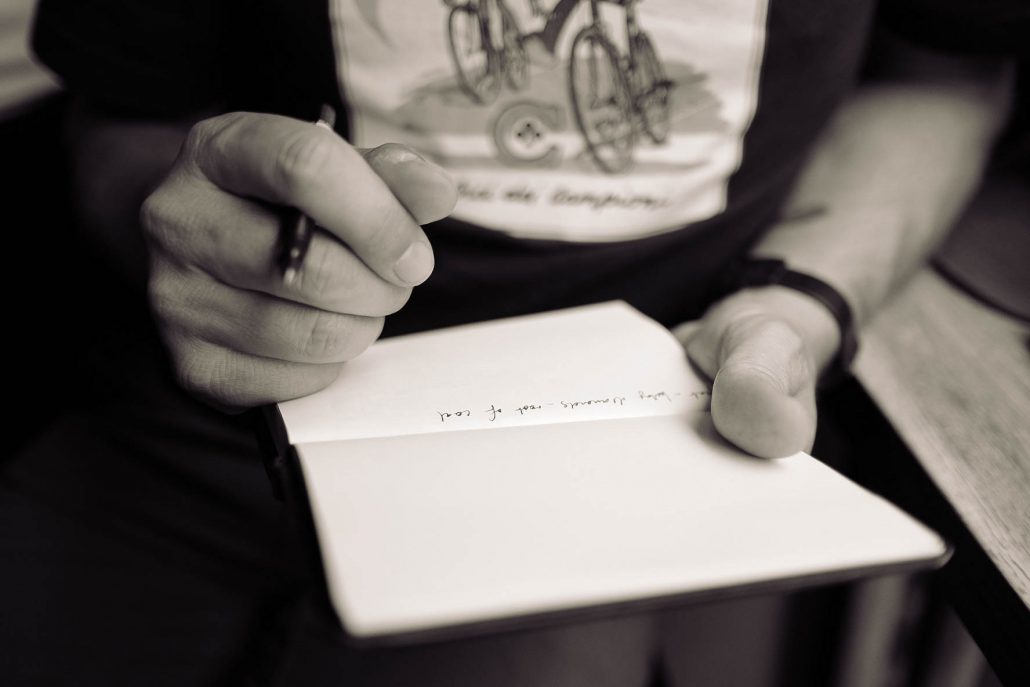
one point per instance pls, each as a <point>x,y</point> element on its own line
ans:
<point>772,150</point>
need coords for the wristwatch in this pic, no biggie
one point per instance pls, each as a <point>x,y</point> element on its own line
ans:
<point>755,272</point>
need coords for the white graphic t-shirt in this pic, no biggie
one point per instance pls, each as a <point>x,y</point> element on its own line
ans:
<point>560,119</point>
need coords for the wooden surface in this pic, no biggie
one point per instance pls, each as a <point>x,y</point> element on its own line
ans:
<point>953,379</point>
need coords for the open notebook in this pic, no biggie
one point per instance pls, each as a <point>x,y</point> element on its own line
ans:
<point>510,470</point>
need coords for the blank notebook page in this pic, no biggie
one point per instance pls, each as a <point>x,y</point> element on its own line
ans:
<point>459,520</point>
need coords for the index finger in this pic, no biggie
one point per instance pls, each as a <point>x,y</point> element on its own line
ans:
<point>295,163</point>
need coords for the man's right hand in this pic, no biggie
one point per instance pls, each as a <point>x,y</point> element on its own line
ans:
<point>237,334</point>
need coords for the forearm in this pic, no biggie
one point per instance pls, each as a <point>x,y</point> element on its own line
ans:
<point>889,176</point>
<point>116,163</point>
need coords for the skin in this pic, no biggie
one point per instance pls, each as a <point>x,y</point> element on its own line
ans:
<point>884,183</point>
<point>238,335</point>
<point>887,177</point>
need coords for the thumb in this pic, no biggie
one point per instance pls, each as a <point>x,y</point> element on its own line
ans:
<point>422,187</point>
<point>763,397</point>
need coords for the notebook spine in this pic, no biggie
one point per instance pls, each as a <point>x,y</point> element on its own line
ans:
<point>274,445</point>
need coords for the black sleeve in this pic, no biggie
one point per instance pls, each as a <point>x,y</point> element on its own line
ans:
<point>142,57</point>
<point>982,27</point>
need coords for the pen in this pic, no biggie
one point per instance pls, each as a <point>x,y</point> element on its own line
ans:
<point>297,228</point>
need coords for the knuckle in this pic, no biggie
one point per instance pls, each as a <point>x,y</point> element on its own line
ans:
<point>303,159</point>
<point>161,294</point>
<point>388,226</point>
<point>204,149</point>
<point>198,135</point>
<point>206,133</point>
<point>156,214</point>
<point>775,328</point>
<point>171,295</point>
<point>317,276</point>
<point>751,370</point>
<point>181,300</point>
<point>215,374</point>
<point>334,338</point>
<point>186,376</point>
<point>337,338</point>
<point>337,282</point>
<point>199,138</point>
<point>325,336</point>
<point>171,223</point>
<point>196,371</point>
<point>758,327</point>
<point>736,331</point>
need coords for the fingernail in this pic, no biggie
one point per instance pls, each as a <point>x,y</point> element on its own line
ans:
<point>406,154</point>
<point>396,154</point>
<point>415,266</point>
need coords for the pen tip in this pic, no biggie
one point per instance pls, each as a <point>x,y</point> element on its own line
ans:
<point>289,275</point>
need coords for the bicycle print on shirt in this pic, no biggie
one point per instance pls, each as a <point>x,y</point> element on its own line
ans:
<point>615,97</point>
<point>575,120</point>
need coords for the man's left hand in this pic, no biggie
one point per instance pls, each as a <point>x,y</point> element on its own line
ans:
<point>763,349</point>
